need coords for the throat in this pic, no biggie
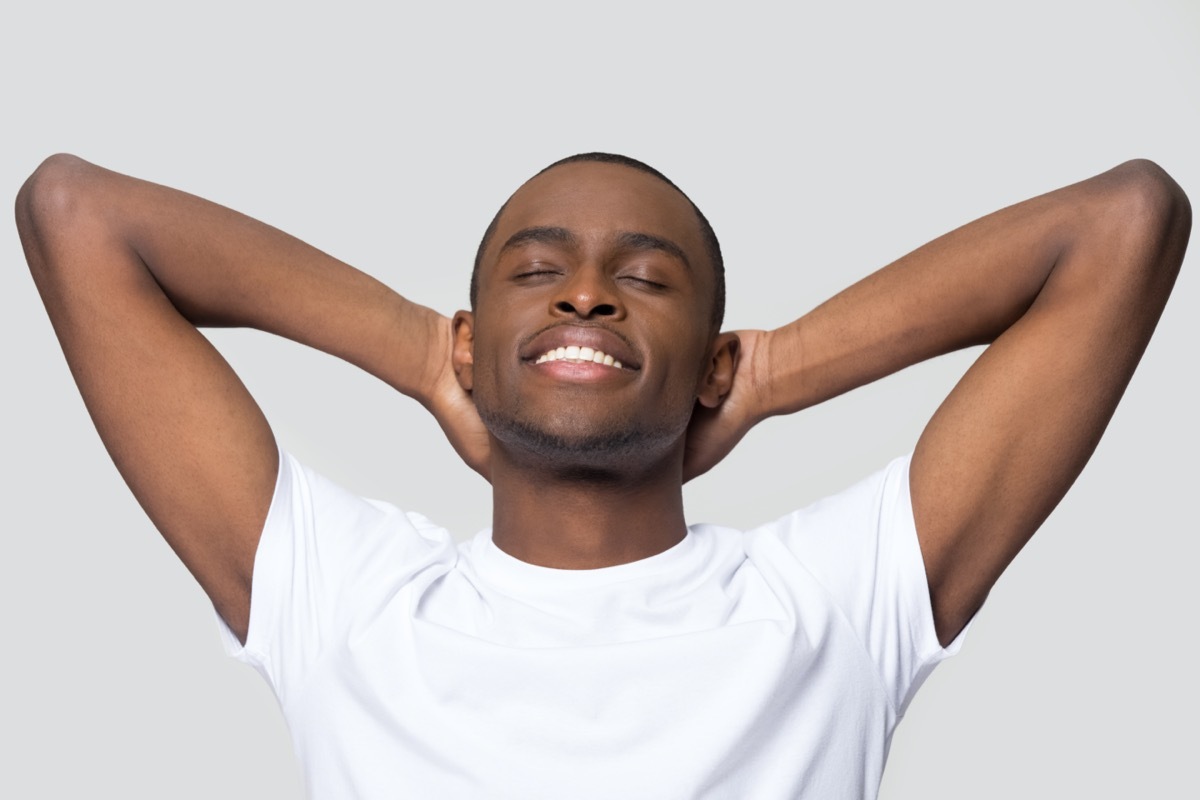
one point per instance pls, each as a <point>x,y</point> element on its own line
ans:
<point>575,520</point>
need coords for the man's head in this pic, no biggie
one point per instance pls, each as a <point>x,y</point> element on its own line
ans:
<point>602,254</point>
<point>712,245</point>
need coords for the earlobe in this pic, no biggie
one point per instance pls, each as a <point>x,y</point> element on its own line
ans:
<point>463,354</point>
<point>722,364</point>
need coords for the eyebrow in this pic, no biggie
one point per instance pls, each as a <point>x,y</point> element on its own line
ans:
<point>628,240</point>
<point>542,234</point>
<point>648,241</point>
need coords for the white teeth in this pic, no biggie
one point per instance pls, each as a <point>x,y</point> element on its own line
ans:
<point>579,355</point>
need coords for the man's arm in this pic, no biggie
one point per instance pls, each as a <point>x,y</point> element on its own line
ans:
<point>127,270</point>
<point>1066,288</point>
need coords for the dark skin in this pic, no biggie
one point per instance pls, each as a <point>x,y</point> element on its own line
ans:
<point>570,507</point>
<point>1066,288</point>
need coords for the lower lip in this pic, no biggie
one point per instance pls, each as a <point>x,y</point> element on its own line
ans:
<point>582,372</point>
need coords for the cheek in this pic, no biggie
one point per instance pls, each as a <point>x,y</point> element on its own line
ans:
<point>689,353</point>
<point>494,368</point>
<point>485,375</point>
<point>678,386</point>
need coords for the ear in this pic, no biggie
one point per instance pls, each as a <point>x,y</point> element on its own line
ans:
<point>462,328</point>
<point>717,379</point>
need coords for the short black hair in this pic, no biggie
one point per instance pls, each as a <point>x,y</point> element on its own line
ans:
<point>711,244</point>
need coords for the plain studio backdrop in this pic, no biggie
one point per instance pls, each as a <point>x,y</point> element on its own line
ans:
<point>822,143</point>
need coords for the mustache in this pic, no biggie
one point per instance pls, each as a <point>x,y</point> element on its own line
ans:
<point>599,325</point>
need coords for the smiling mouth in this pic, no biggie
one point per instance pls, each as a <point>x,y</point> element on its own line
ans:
<point>579,355</point>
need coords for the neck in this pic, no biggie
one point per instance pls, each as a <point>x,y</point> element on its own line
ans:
<point>585,518</point>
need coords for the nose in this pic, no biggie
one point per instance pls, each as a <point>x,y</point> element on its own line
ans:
<point>589,293</point>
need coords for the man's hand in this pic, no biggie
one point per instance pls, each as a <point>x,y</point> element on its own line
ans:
<point>452,406</point>
<point>714,432</point>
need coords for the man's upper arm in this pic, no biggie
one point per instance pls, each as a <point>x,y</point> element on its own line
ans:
<point>184,432</point>
<point>1013,435</point>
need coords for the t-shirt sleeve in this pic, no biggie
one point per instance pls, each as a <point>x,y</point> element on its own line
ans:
<point>861,546</point>
<point>327,561</point>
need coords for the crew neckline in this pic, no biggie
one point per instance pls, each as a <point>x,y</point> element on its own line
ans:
<point>496,565</point>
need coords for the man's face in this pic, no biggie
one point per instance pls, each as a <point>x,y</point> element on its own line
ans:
<point>610,260</point>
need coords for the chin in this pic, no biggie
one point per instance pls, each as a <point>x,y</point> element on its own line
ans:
<point>564,444</point>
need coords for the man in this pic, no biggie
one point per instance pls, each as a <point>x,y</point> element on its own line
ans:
<point>591,644</point>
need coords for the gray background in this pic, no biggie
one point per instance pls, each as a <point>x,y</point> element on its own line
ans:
<point>821,143</point>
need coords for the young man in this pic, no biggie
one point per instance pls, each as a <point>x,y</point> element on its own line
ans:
<point>591,644</point>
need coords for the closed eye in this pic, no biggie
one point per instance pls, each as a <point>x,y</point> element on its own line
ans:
<point>534,273</point>
<point>645,282</point>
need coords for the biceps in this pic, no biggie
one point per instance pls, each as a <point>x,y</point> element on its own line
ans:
<point>181,428</point>
<point>1012,437</point>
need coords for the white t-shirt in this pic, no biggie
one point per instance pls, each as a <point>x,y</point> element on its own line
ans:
<point>771,663</point>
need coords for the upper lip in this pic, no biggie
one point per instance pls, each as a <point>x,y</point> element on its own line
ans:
<point>597,337</point>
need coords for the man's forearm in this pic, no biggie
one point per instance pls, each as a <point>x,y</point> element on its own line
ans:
<point>221,268</point>
<point>964,288</point>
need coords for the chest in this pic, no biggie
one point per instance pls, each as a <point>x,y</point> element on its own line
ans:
<point>704,698</point>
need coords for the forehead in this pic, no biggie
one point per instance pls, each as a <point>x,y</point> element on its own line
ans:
<point>595,201</point>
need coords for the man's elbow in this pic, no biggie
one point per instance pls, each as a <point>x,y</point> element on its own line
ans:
<point>1155,210</point>
<point>55,197</point>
